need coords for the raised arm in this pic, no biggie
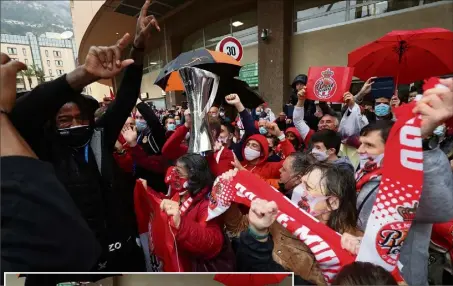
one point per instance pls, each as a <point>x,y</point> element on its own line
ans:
<point>366,88</point>
<point>113,119</point>
<point>43,102</point>
<point>158,131</point>
<point>436,107</point>
<point>298,117</point>
<point>246,117</point>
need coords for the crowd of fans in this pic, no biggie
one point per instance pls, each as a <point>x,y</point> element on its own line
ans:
<point>73,209</point>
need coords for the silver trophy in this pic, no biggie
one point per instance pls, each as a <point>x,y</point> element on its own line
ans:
<point>201,88</point>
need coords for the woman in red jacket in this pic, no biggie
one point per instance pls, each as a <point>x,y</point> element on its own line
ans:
<point>197,240</point>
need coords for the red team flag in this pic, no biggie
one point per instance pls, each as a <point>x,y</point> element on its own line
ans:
<point>328,83</point>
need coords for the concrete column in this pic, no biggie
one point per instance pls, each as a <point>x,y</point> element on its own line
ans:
<point>274,53</point>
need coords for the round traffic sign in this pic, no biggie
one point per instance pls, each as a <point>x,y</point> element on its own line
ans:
<point>230,46</point>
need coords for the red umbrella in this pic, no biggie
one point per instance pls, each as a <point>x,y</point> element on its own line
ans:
<point>407,56</point>
<point>249,279</point>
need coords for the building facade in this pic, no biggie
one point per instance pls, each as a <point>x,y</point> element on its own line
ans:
<point>54,57</point>
<point>281,38</point>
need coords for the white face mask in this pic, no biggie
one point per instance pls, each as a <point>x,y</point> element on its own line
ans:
<point>251,154</point>
<point>365,158</point>
<point>307,202</point>
<point>319,155</point>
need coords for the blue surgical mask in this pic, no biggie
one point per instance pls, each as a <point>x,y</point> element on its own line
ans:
<point>258,113</point>
<point>382,109</point>
<point>263,130</point>
<point>178,122</point>
<point>171,127</point>
<point>141,125</point>
<point>439,131</point>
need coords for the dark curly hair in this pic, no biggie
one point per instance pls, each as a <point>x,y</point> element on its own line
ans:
<point>200,175</point>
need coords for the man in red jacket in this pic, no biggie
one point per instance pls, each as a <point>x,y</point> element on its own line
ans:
<point>219,161</point>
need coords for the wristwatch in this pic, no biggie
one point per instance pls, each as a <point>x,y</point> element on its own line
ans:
<point>430,143</point>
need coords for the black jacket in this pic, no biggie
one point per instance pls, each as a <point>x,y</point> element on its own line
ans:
<point>42,229</point>
<point>90,184</point>
<point>255,256</point>
<point>151,140</point>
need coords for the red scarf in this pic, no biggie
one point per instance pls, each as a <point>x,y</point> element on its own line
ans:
<point>399,192</point>
<point>324,242</point>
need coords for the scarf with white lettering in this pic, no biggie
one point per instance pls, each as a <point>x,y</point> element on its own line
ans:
<point>324,242</point>
<point>399,192</point>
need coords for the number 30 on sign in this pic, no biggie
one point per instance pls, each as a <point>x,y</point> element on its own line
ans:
<point>230,46</point>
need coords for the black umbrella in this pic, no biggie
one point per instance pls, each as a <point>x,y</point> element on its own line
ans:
<point>249,97</point>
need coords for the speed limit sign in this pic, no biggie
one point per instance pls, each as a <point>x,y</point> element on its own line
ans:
<point>230,46</point>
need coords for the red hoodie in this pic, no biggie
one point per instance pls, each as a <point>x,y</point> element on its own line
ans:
<point>173,149</point>
<point>298,136</point>
<point>264,169</point>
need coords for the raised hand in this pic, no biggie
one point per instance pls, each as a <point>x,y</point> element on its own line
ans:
<point>171,208</point>
<point>349,99</point>
<point>144,27</point>
<point>8,74</point>
<point>105,62</point>
<point>395,101</point>
<point>229,175</point>
<point>301,93</point>
<point>272,129</point>
<point>236,164</point>
<point>262,215</point>
<point>232,99</point>
<point>436,106</point>
<point>130,135</point>
<point>351,243</point>
<point>366,88</point>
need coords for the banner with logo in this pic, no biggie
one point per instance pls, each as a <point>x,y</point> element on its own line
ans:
<point>399,192</point>
<point>156,238</point>
<point>324,242</point>
<point>328,83</point>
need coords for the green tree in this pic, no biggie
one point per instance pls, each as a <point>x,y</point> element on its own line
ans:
<point>28,73</point>
<point>39,73</point>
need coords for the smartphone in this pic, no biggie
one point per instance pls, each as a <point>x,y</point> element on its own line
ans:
<point>184,105</point>
<point>383,87</point>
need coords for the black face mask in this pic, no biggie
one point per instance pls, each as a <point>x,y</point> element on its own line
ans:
<point>77,136</point>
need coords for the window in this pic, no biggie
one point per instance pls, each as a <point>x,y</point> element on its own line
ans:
<point>47,53</point>
<point>59,63</point>
<point>243,26</point>
<point>12,51</point>
<point>48,63</point>
<point>26,61</point>
<point>152,61</point>
<point>60,72</point>
<point>308,17</point>
<point>24,51</point>
<point>56,53</point>
<point>50,72</point>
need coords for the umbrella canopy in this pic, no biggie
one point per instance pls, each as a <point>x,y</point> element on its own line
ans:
<point>249,97</point>
<point>249,279</point>
<point>219,63</point>
<point>407,56</point>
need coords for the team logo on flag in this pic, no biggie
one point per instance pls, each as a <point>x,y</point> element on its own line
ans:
<point>390,237</point>
<point>325,86</point>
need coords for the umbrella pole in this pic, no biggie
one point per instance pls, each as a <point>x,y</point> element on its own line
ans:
<point>401,49</point>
